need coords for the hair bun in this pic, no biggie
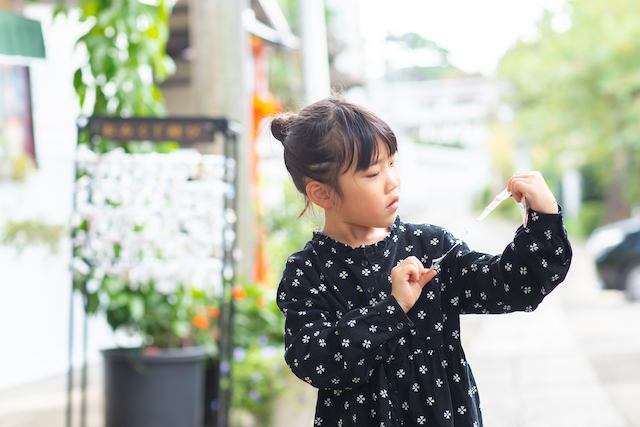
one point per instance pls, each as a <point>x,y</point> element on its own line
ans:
<point>280,127</point>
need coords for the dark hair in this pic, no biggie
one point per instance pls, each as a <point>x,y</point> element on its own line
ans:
<point>326,138</point>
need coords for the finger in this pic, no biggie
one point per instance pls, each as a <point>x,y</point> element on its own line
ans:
<point>427,276</point>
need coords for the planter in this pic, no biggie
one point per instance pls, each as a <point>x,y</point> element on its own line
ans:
<point>160,389</point>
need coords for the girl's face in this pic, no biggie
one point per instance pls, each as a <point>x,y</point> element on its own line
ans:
<point>370,197</point>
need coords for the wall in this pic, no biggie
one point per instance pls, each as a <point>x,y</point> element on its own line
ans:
<point>35,284</point>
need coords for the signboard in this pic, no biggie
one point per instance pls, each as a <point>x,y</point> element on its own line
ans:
<point>185,131</point>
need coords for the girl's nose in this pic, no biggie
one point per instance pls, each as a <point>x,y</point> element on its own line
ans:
<point>393,182</point>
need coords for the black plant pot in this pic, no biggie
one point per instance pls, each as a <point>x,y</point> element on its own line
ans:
<point>163,389</point>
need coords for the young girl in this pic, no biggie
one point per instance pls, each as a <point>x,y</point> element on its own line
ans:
<point>366,322</point>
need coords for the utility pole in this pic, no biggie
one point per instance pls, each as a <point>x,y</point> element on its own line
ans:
<point>219,89</point>
<point>315,56</point>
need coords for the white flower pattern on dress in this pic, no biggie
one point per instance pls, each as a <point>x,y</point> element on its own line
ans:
<point>401,360</point>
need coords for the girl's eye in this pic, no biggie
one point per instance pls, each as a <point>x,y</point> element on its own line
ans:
<point>373,175</point>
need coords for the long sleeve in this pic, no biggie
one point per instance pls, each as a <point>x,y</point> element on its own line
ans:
<point>328,342</point>
<point>530,267</point>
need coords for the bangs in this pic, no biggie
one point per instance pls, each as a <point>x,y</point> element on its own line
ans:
<point>362,135</point>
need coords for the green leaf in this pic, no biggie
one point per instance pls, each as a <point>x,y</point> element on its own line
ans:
<point>93,302</point>
<point>136,307</point>
<point>180,328</point>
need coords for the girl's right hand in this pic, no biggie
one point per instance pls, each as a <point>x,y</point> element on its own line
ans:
<point>407,280</point>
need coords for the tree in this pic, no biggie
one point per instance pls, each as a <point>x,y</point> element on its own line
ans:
<point>577,100</point>
<point>126,47</point>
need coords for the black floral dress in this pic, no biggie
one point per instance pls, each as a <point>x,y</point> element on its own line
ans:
<point>373,364</point>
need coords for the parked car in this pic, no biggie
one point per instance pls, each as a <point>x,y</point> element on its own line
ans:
<point>616,249</point>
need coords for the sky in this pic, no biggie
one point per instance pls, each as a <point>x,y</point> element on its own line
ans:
<point>477,33</point>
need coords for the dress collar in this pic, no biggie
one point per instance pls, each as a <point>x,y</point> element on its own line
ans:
<point>319,238</point>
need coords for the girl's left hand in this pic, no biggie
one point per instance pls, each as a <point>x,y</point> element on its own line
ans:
<point>533,187</point>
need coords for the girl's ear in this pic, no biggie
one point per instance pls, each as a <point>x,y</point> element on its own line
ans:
<point>319,194</point>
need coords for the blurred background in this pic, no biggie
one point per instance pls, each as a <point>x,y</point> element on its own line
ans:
<point>103,244</point>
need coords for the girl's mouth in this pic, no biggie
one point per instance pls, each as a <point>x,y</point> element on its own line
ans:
<point>393,206</point>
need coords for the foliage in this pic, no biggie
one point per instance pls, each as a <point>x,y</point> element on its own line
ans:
<point>258,355</point>
<point>184,317</point>
<point>21,234</point>
<point>258,323</point>
<point>287,231</point>
<point>577,99</point>
<point>126,48</point>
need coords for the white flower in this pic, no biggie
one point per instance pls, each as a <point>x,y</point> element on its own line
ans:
<point>523,271</point>
<point>415,387</point>
<point>559,251</point>
<point>400,373</point>
<point>343,275</point>
<point>533,247</point>
<point>364,310</point>
<point>456,378</point>
<point>366,343</point>
<point>409,248</point>
<point>391,309</point>
<point>447,414</point>
<point>320,369</point>
<point>549,234</point>
<point>462,410</point>
<point>345,342</point>
<point>299,272</point>
<point>421,419</point>
<point>439,382</point>
<point>348,261</point>
<point>431,401</point>
<point>366,272</point>
<point>431,295</point>
<point>352,323</point>
<point>545,264</point>
<point>464,271</point>
<point>375,267</point>
<point>360,399</point>
<point>417,232</point>
<point>421,315</point>
<point>534,216</point>
<point>328,264</point>
<point>485,269</point>
<point>438,327</point>
<point>434,241</point>
<point>508,266</point>
<point>423,369</point>
<point>386,253</point>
